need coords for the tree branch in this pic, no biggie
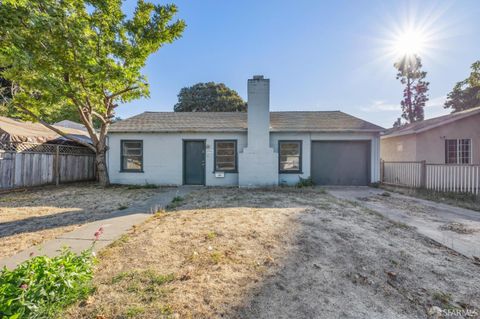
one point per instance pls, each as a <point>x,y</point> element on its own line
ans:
<point>100,117</point>
<point>121,92</point>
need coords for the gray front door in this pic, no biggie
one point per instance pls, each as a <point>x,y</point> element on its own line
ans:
<point>341,162</point>
<point>194,162</point>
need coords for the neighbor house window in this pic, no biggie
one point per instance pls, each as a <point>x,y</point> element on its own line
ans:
<point>290,156</point>
<point>226,155</point>
<point>132,155</point>
<point>458,151</point>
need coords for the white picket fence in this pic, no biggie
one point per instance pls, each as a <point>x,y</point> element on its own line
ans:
<point>402,173</point>
<point>453,178</point>
<point>436,177</point>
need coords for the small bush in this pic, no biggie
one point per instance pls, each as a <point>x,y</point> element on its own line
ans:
<point>305,182</point>
<point>176,201</point>
<point>143,186</point>
<point>42,286</point>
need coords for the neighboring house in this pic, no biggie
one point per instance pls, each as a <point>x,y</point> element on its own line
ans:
<point>16,131</point>
<point>245,149</point>
<point>448,139</point>
<point>71,124</point>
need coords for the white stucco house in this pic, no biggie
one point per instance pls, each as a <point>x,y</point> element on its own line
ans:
<point>257,148</point>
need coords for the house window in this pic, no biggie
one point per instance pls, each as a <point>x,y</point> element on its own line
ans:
<point>458,151</point>
<point>226,155</point>
<point>290,156</point>
<point>132,155</point>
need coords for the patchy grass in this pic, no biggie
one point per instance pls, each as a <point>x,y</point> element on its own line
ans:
<point>31,217</point>
<point>265,253</point>
<point>463,200</point>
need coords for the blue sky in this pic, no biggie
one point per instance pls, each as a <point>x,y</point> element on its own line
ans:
<point>318,55</point>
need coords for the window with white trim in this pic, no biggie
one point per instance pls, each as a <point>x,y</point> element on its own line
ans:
<point>458,151</point>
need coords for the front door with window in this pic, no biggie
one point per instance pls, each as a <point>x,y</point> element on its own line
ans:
<point>194,162</point>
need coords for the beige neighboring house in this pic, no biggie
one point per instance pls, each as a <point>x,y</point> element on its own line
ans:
<point>448,139</point>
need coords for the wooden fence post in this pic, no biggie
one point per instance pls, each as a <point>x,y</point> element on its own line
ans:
<point>56,165</point>
<point>382,171</point>
<point>423,174</point>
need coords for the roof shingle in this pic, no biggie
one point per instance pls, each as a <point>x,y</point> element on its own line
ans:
<point>318,121</point>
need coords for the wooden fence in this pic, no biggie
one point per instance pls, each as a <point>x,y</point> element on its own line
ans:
<point>29,164</point>
<point>437,177</point>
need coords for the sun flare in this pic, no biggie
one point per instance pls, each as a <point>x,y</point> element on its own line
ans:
<point>409,42</point>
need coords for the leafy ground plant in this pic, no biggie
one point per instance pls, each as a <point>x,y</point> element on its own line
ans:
<point>305,182</point>
<point>41,287</point>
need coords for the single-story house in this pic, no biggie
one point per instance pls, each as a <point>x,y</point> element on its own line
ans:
<point>257,148</point>
<point>448,139</point>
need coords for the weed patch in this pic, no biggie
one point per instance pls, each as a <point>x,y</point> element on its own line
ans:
<point>176,201</point>
<point>143,186</point>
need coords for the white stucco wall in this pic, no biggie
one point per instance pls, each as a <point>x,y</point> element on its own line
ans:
<point>163,156</point>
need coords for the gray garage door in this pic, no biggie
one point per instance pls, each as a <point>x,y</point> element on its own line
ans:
<point>341,162</point>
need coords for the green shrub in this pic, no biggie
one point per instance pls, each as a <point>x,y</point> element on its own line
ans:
<point>305,182</point>
<point>143,186</point>
<point>176,201</point>
<point>43,286</point>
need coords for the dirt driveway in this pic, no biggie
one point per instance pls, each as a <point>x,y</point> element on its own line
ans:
<point>454,227</point>
<point>284,253</point>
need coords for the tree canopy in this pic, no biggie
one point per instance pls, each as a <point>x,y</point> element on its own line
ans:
<point>415,94</point>
<point>465,94</point>
<point>81,56</point>
<point>209,97</point>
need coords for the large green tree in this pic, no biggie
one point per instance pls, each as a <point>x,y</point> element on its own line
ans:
<point>82,55</point>
<point>415,94</point>
<point>465,94</point>
<point>209,97</point>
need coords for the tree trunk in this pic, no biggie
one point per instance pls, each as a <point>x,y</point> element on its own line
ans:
<point>101,164</point>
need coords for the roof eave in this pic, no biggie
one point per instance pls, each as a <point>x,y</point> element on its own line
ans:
<point>429,127</point>
<point>245,130</point>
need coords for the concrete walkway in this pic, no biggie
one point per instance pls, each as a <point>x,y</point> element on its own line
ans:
<point>118,223</point>
<point>454,227</point>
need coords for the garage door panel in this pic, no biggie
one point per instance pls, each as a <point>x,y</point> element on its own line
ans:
<point>340,162</point>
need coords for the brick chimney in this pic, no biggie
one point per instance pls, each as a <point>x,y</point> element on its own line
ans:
<point>258,163</point>
<point>258,112</point>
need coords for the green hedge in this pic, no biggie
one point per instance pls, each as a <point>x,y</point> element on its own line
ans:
<point>42,286</point>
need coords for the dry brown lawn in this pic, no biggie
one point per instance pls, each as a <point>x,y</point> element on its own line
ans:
<point>31,217</point>
<point>284,253</point>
